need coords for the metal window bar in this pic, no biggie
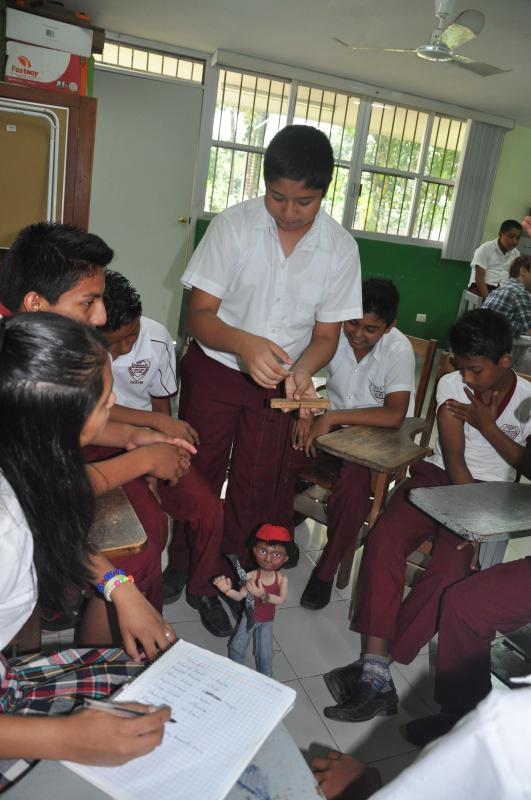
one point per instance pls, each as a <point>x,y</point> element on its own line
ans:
<point>389,144</point>
<point>251,126</point>
<point>445,150</point>
<point>421,171</point>
<point>214,175</point>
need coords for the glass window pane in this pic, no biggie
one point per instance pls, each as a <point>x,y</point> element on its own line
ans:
<point>140,60</point>
<point>125,56</point>
<point>444,151</point>
<point>433,211</point>
<point>395,137</point>
<point>197,72</point>
<point>155,63</point>
<point>384,204</point>
<point>233,176</point>
<point>184,69</point>
<point>334,202</point>
<point>110,53</point>
<point>169,67</point>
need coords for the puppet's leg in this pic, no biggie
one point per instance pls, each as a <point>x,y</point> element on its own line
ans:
<point>240,641</point>
<point>264,648</point>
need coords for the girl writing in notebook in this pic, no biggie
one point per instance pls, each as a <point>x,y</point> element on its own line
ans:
<point>263,589</point>
<point>55,396</point>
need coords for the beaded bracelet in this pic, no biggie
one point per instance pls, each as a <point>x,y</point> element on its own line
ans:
<point>107,577</point>
<point>111,585</point>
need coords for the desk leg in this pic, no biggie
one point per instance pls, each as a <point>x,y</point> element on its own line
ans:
<point>491,553</point>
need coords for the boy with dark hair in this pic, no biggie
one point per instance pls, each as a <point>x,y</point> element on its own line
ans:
<point>491,261</point>
<point>481,342</point>
<point>371,381</point>
<point>513,299</point>
<point>271,280</point>
<point>143,368</point>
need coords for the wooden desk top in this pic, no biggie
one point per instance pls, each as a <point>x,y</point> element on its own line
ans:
<point>116,529</point>
<point>479,512</point>
<point>381,449</point>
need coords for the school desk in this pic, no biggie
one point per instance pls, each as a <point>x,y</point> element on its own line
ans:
<point>116,529</point>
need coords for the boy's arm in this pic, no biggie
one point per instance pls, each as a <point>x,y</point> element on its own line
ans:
<point>479,277</point>
<point>319,352</point>
<point>261,356</point>
<point>162,405</point>
<point>482,416</point>
<point>157,421</point>
<point>164,461</point>
<point>452,441</point>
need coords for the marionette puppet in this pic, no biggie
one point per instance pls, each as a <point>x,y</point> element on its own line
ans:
<point>272,546</point>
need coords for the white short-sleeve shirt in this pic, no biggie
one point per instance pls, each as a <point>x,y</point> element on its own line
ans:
<point>494,261</point>
<point>388,367</point>
<point>240,260</point>
<point>18,579</point>
<point>483,461</point>
<point>148,370</point>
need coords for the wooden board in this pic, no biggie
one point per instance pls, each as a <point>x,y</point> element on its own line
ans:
<point>381,449</point>
<point>317,402</point>
<point>116,528</point>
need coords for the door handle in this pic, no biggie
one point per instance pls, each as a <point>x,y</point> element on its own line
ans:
<point>184,220</point>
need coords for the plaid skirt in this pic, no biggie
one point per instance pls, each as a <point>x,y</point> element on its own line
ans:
<point>56,684</point>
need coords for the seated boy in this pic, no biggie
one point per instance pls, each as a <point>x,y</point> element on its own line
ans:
<point>371,382</point>
<point>144,373</point>
<point>491,261</point>
<point>61,268</point>
<point>513,298</point>
<point>481,343</point>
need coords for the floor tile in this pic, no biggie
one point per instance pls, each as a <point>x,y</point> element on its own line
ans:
<point>377,738</point>
<point>305,724</point>
<point>316,641</point>
<point>180,611</point>
<point>298,578</point>
<point>421,678</point>
<point>389,768</point>
<point>310,535</point>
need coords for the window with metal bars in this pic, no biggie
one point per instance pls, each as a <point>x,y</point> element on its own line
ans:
<point>151,62</point>
<point>394,175</point>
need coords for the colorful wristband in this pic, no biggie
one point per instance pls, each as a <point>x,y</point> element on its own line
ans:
<point>107,577</point>
<point>115,581</point>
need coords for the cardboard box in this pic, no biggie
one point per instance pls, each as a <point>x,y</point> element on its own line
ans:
<point>48,33</point>
<point>78,18</point>
<point>43,68</point>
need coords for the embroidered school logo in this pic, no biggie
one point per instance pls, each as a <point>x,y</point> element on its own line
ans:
<point>378,392</point>
<point>138,370</point>
<point>511,431</point>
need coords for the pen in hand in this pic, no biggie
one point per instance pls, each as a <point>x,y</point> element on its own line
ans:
<point>117,709</point>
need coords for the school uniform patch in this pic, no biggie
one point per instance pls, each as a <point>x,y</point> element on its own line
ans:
<point>511,431</point>
<point>378,392</point>
<point>138,370</point>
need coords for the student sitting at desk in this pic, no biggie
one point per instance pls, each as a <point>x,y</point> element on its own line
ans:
<point>144,373</point>
<point>481,343</point>
<point>371,382</point>
<point>513,298</point>
<point>491,261</point>
<point>55,396</point>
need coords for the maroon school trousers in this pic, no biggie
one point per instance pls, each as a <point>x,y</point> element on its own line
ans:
<point>498,599</point>
<point>190,501</point>
<point>410,624</point>
<point>229,410</point>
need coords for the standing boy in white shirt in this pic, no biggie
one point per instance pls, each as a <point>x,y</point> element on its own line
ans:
<point>272,280</point>
<point>371,382</point>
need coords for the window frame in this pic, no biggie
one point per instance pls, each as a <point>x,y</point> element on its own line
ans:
<point>357,163</point>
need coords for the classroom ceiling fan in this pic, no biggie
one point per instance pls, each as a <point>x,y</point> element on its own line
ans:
<point>445,40</point>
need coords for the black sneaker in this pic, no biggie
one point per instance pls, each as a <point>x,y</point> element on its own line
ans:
<point>213,615</point>
<point>421,732</point>
<point>173,583</point>
<point>342,681</point>
<point>366,703</point>
<point>317,593</point>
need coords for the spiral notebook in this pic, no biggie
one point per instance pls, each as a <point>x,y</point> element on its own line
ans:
<point>223,712</point>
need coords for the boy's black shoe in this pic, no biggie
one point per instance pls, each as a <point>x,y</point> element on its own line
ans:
<point>421,732</point>
<point>213,615</point>
<point>317,593</point>
<point>342,681</point>
<point>365,704</point>
<point>173,583</point>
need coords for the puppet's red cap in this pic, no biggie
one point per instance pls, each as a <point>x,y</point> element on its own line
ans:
<point>273,533</point>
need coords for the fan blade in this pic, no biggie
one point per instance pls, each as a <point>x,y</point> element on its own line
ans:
<point>370,49</point>
<point>483,70</point>
<point>465,27</point>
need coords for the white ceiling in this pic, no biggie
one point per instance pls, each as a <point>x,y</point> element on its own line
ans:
<point>300,32</point>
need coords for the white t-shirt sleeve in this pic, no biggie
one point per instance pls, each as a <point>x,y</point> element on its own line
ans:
<point>343,300</point>
<point>164,382</point>
<point>481,256</point>
<point>212,265</point>
<point>400,371</point>
<point>449,389</point>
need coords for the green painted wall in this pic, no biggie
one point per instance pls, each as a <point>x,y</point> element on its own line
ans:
<point>427,284</point>
<point>511,193</point>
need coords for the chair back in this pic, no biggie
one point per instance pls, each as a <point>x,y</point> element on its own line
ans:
<point>444,366</point>
<point>469,301</point>
<point>424,350</point>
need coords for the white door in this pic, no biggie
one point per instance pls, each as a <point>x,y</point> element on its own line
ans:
<point>147,134</point>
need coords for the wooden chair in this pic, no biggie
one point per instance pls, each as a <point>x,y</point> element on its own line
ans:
<point>312,500</point>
